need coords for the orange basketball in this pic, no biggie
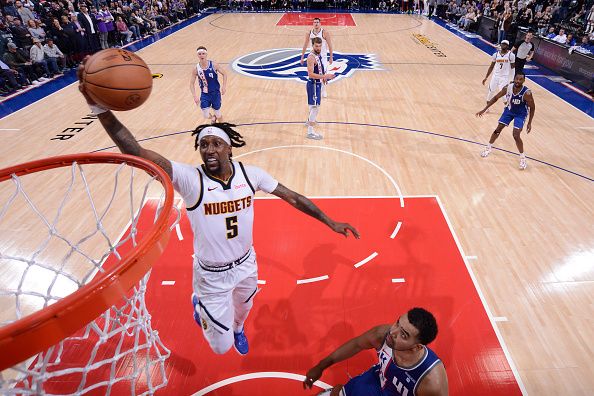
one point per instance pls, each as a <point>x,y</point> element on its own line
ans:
<point>117,79</point>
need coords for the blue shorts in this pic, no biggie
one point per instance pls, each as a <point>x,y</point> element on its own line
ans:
<point>366,384</point>
<point>314,93</point>
<point>211,99</point>
<point>508,116</point>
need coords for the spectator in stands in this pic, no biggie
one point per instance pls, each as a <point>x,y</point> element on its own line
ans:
<point>585,46</point>
<point>504,22</point>
<point>551,34</point>
<point>561,38</point>
<point>24,12</point>
<point>10,9</point>
<point>123,29</point>
<point>36,30</point>
<point>104,25</point>
<point>77,34</point>
<point>590,20</point>
<point>21,34</point>
<point>468,19</point>
<point>10,76</point>
<point>37,56</point>
<point>89,24</point>
<point>54,56</point>
<point>17,60</point>
<point>525,17</point>
<point>63,41</point>
<point>570,41</point>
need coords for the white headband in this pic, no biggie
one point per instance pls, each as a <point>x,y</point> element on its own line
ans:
<point>214,131</point>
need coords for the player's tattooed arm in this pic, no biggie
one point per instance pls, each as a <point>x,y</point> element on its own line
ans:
<point>305,205</point>
<point>127,144</point>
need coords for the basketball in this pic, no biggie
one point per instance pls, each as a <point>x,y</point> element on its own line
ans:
<point>117,79</point>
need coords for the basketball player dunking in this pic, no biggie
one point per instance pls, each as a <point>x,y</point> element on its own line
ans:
<point>210,89</point>
<point>502,62</point>
<point>219,197</point>
<point>317,78</point>
<point>323,34</point>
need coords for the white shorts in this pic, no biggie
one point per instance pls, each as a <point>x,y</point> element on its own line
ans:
<point>220,294</point>
<point>496,85</point>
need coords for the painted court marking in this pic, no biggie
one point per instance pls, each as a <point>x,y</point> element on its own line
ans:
<point>311,280</point>
<point>365,261</point>
<point>506,352</point>
<point>398,280</point>
<point>261,282</point>
<point>262,374</point>
<point>396,230</point>
<point>500,319</point>
<point>167,283</point>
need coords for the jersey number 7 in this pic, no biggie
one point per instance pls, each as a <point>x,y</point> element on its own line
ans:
<point>232,230</point>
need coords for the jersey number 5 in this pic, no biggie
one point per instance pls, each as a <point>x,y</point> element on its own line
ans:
<point>232,230</point>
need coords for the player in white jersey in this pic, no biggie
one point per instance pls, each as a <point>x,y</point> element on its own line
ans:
<point>502,63</point>
<point>406,366</point>
<point>318,31</point>
<point>219,197</point>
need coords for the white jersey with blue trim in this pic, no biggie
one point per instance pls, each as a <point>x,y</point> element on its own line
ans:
<point>320,34</point>
<point>503,64</point>
<point>221,213</point>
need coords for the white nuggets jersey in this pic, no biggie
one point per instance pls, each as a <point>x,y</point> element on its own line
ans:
<point>503,64</point>
<point>221,214</point>
<point>320,34</point>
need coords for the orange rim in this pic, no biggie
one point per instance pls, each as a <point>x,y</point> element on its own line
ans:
<point>39,331</point>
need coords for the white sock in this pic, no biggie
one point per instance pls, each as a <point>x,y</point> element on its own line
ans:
<point>310,130</point>
<point>522,155</point>
<point>313,113</point>
<point>489,146</point>
<point>238,329</point>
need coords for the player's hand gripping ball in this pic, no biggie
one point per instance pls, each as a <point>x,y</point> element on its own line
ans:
<point>117,79</point>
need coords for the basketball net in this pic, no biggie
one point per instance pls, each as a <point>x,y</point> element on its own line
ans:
<point>54,243</point>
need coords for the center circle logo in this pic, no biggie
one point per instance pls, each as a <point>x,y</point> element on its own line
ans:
<point>283,64</point>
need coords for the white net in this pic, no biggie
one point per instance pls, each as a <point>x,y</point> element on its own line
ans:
<point>59,233</point>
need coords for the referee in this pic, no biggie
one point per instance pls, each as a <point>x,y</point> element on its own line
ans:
<point>524,51</point>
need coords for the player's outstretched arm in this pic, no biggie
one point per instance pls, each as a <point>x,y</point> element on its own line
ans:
<point>489,72</point>
<point>494,99</point>
<point>328,38</point>
<point>371,339</point>
<point>193,85</point>
<point>532,106</point>
<point>305,44</point>
<point>305,205</point>
<point>120,135</point>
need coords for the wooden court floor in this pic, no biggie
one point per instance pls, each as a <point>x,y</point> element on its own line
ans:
<point>529,234</point>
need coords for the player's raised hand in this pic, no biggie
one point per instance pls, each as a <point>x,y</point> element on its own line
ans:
<point>313,374</point>
<point>344,228</point>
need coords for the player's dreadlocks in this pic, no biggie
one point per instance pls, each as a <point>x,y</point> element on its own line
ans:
<point>234,136</point>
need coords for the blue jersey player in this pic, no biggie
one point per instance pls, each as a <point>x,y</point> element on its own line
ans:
<point>406,367</point>
<point>207,72</point>
<point>316,77</point>
<point>520,105</point>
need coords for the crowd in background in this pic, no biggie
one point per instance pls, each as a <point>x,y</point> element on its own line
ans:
<point>40,39</point>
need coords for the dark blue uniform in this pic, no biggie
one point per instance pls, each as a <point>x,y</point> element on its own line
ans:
<point>388,379</point>
<point>516,109</point>
<point>211,98</point>
<point>314,86</point>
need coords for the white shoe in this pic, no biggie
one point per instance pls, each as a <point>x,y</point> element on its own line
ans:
<point>485,153</point>
<point>43,79</point>
<point>35,82</point>
<point>314,136</point>
<point>523,164</point>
